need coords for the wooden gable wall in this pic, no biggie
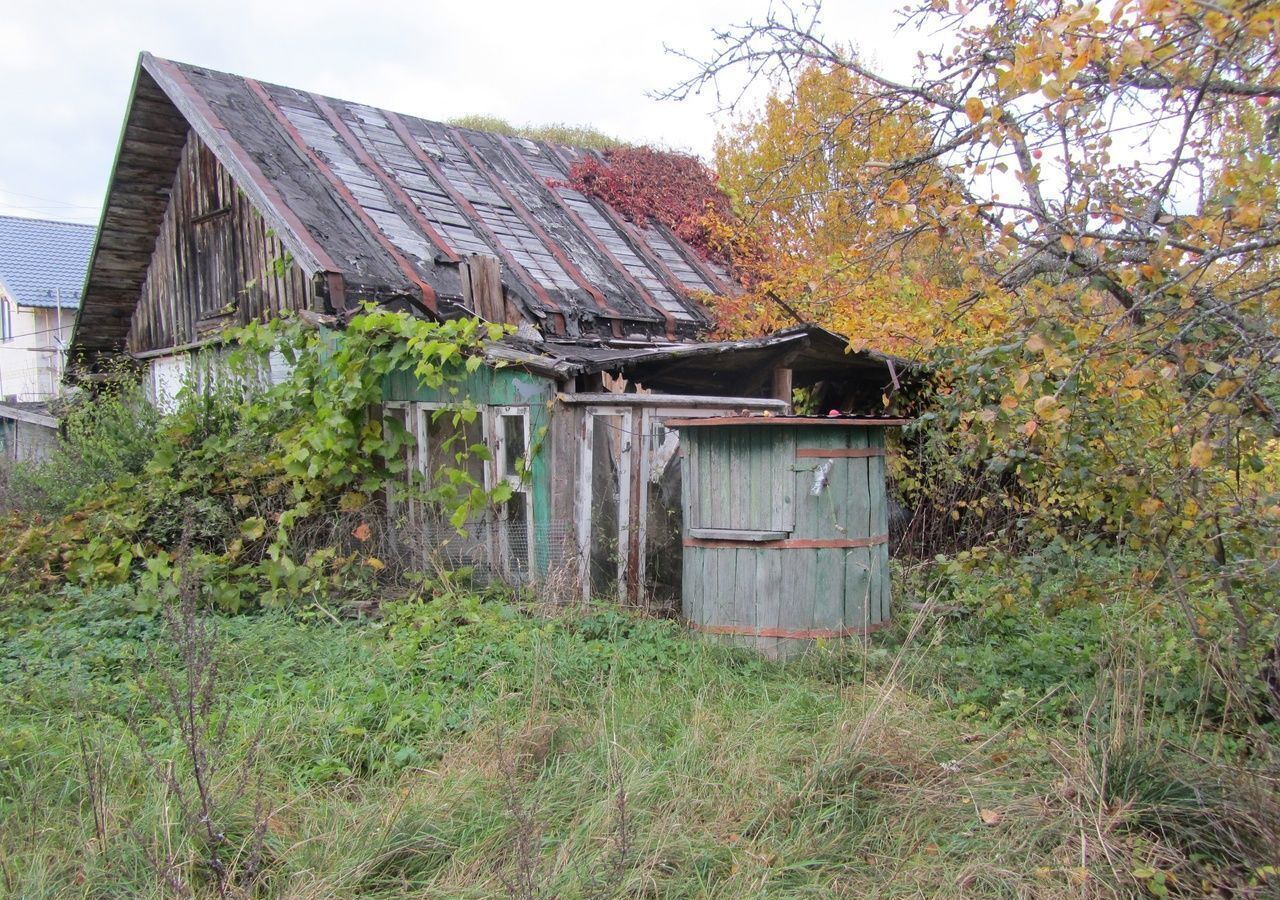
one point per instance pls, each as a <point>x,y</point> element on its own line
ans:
<point>215,264</point>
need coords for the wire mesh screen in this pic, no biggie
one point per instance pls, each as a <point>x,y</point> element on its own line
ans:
<point>494,550</point>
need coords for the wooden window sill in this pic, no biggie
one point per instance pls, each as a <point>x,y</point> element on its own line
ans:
<point>730,534</point>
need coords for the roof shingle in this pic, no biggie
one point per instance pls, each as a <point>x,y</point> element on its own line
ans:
<point>42,262</point>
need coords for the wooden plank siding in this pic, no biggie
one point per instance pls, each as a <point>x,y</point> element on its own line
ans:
<point>214,262</point>
<point>828,577</point>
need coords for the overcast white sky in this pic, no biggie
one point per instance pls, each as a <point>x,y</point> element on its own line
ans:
<point>66,68</point>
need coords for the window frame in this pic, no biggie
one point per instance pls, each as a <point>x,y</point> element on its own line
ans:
<point>400,409</point>
<point>416,417</point>
<point>519,483</point>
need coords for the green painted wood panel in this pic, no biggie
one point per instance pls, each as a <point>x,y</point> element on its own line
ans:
<point>723,460</point>
<point>770,593</point>
<point>738,477</point>
<point>484,386</point>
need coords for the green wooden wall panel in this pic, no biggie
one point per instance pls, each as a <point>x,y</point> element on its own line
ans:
<point>770,592</point>
<point>734,477</point>
<point>859,611</point>
<point>484,386</point>
<point>726,459</point>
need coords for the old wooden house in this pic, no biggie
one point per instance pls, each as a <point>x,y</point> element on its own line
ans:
<point>218,176</point>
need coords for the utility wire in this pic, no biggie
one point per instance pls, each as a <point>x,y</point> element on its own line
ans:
<point>37,333</point>
<point>46,199</point>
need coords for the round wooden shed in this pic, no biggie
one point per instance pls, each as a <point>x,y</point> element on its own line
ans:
<point>785,529</point>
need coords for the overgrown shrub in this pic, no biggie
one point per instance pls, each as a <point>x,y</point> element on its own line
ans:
<point>1029,637</point>
<point>273,496</point>
<point>105,435</point>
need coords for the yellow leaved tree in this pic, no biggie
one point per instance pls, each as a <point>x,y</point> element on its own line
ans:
<point>804,174</point>
<point>1072,207</point>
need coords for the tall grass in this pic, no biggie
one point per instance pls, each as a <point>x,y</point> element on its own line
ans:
<point>485,749</point>
<point>556,132</point>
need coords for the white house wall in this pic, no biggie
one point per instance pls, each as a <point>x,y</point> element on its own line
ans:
<point>205,369</point>
<point>33,351</point>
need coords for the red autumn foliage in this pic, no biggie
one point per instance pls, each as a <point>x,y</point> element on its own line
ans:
<point>644,185</point>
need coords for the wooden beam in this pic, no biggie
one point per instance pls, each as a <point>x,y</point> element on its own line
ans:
<point>731,534</point>
<point>782,386</point>
<point>789,543</point>
<point>482,289</point>
<point>27,415</point>
<point>679,401</point>
<point>836,421</point>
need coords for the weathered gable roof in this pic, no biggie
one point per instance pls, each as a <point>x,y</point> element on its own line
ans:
<point>42,262</point>
<point>385,205</point>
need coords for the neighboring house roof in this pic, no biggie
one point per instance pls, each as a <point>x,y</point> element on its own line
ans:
<point>42,262</point>
<point>389,205</point>
<point>36,413</point>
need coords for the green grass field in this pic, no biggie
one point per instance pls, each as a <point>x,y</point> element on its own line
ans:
<point>471,745</point>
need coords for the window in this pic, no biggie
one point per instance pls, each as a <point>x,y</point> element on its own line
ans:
<point>435,437</point>
<point>278,368</point>
<point>511,467</point>
<point>447,436</point>
<point>398,427</point>
<point>448,452</point>
<point>515,442</point>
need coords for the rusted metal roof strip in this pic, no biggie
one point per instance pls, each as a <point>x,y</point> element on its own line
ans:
<point>547,241</point>
<point>428,293</point>
<point>244,162</point>
<point>475,219</point>
<point>838,452</point>
<point>802,633</point>
<point>789,543</point>
<point>590,235</point>
<point>384,177</point>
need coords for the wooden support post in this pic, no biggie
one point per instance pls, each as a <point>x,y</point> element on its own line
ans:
<point>782,386</point>
<point>482,287</point>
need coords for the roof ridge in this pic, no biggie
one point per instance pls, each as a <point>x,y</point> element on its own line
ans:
<point>371,105</point>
